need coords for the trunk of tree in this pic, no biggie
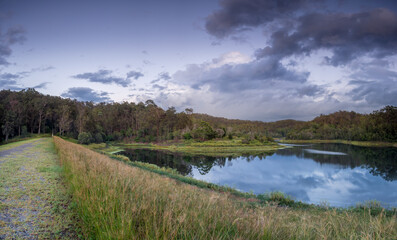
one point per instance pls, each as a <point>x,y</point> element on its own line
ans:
<point>19,130</point>
<point>39,125</point>
<point>80,126</point>
<point>158,129</point>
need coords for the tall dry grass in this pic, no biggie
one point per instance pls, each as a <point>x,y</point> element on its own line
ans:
<point>117,201</point>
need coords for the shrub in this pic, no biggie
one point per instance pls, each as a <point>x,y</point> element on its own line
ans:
<point>117,135</point>
<point>187,136</point>
<point>277,197</point>
<point>129,132</point>
<point>84,138</point>
<point>247,139</point>
<point>24,131</point>
<point>98,138</point>
<point>204,132</point>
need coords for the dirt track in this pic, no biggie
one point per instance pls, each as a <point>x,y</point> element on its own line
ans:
<point>33,200</point>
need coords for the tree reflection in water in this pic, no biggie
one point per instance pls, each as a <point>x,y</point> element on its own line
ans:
<point>181,162</point>
<point>380,161</point>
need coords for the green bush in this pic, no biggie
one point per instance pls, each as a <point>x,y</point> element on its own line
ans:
<point>204,131</point>
<point>84,138</point>
<point>24,131</point>
<point>98,138</point>
<point>277,197</point>
<point>187,136</point>
<point>247,139</point>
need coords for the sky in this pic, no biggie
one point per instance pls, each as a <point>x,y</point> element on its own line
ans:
<point>262,60</point>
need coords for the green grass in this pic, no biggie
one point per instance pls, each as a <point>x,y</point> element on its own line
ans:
<point>356,143</point>
<point>33,194</point>
<point>31,136</point>
<point>217,147</point>
<point>115,200</point>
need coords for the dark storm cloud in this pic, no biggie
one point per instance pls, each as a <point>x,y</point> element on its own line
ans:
<point>86,94</point>
<point>134,74</point>
<point>12,36</point>
<point>103,76</point>
<point>348,36</point>
<point>238,15</point>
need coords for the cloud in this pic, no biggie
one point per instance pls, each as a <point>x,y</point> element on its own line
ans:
<point>295,30</point>
<point>239,15</point>
<point>86,94</point>
<point>103,76</point>
<point>258,74</point>
<point>41,85</point>
<point>158,87</point>
<point>9,81</point>
<point>25,74</point>
<point>261,89</point>
<point>134,74</point>
<point>347,36</point>
<point>374,85</point>
<point>12,36</point>
<point>42,69</point>
<point>357,47</point>
<point>162,76</point>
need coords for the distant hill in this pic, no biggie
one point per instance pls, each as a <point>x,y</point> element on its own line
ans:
<point>380,125</point>
<point>273,129</point>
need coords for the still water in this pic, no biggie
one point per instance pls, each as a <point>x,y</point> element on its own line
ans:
<point>337,174</point>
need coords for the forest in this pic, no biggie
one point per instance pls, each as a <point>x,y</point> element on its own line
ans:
<point>380,125</point>
<point>28,111</point>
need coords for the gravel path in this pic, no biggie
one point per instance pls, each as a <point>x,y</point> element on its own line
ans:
<point>33,199</point>
<point>14,150</point>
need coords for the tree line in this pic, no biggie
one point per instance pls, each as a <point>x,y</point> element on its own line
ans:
<point>380,125</point>
<point>28,111</point>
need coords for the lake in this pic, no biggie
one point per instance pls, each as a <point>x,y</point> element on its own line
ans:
<point>334,174</point>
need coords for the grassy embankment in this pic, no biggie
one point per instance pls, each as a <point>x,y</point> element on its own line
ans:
<point>117,201</point>
<point>355,143</point>
<point>217,147</point>
<point>33,200</point>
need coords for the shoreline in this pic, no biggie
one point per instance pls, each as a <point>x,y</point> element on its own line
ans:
<point>219,148</point>
<point>354,143</point>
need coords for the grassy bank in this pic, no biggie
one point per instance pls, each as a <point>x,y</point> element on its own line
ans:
<point>117,201</point>
<point>218,147</point>
<point>355,143</point>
